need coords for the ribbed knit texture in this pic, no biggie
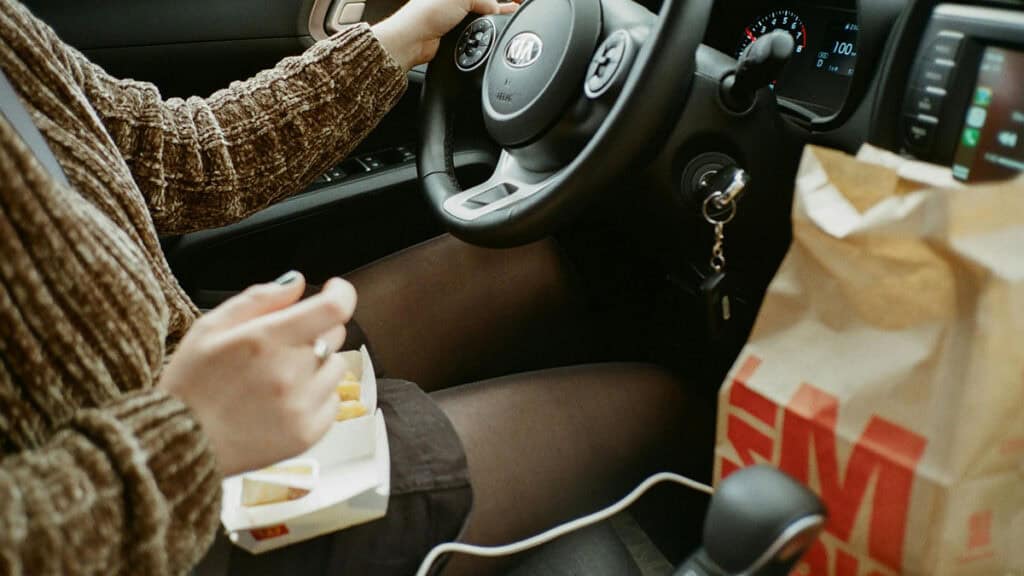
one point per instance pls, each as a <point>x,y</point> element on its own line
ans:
<point>103,473</point>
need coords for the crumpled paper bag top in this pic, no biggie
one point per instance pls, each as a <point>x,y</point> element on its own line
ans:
<point>874,232</point>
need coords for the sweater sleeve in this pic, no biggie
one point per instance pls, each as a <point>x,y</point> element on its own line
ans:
<point>207,162</point>
<point>100,473</point>
<point>111,493</point>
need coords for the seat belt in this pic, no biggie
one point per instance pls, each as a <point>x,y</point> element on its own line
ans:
<point>19,118</point>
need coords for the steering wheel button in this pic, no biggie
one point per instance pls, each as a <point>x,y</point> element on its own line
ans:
<point>606,63</point>
<point>600,75</point>
<point>616,52</point>
<point>474,44</point>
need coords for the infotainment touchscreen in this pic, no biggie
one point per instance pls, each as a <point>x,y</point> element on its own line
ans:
<point>991,145</point>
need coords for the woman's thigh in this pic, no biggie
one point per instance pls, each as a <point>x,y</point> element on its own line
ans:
<point>537,449</point>
<point>553,445</point>
<point>446,312</point>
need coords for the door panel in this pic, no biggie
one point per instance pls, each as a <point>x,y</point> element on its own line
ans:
<point>107,23</point>
<point>323,233</point>
<point>195,68</point>
<point>189,47</point>
<point>185,47</point>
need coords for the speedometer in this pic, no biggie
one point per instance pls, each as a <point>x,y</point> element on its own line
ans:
<point>777,20</point>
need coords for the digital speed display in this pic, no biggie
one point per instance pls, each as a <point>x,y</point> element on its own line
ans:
<point>839,53</point>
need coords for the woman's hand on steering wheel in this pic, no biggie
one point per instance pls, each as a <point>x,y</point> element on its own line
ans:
<point>412,35</point>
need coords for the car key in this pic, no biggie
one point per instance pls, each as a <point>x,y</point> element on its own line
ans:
<point>719,209</point>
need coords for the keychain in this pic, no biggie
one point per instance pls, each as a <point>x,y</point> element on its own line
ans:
<point>719,209</point>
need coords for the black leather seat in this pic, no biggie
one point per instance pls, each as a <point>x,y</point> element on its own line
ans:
<point>593,551</point>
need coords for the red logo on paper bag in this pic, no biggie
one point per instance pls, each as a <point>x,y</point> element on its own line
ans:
<point>805,439</point>
<point>260,534</point>
<point>979,537</point>
<point>979,531</point>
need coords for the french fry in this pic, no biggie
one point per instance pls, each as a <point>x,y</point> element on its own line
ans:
<point>348,391</point>
<point>290,470</point>
<point>350,409</point>
<point>262,493</point>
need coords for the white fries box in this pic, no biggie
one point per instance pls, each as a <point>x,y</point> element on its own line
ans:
<point>345,479</point>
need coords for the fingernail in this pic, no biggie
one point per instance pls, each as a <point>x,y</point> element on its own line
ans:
<point>339,284</point>
<point>333,282</point>
<point>288,278</point>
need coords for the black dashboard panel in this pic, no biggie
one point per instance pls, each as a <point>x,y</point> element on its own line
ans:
<point>816,81</point>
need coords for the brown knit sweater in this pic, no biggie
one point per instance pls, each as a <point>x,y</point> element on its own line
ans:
<point>102,473</point>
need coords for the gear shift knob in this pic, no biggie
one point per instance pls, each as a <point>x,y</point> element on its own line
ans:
<point>760,523</point>
<point>758,66</point>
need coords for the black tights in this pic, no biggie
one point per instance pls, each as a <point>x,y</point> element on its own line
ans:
<point>545,446</point>
<point>542,446</point>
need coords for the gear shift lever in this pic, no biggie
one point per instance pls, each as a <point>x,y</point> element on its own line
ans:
<point>760,523</point>
<point>759,65</point>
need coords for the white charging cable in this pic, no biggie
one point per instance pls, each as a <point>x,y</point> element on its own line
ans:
<point>563,529</point>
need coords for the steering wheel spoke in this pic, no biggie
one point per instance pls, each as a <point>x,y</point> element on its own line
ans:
<point>511,183</point>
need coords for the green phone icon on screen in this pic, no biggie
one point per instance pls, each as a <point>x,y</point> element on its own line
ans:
<point>971,137</point>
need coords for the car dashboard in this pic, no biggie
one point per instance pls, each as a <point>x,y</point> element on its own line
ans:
<point>815,82</point>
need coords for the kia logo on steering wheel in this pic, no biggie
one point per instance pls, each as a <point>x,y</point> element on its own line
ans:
<point>524,50</point>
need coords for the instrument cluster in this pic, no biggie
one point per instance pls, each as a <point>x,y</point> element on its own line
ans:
<point>815,82</point>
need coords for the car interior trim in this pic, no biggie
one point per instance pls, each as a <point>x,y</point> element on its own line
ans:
<point>318,19</point>
<point>508,185</point>
<point>980,14</point>
<point>309,203</point>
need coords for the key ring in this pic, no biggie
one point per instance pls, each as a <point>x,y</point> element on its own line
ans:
<point>712,200</point>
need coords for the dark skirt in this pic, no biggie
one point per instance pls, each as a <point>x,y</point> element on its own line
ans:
<point>429,504</point>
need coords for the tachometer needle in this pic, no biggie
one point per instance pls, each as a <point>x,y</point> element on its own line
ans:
<point>750,35</point>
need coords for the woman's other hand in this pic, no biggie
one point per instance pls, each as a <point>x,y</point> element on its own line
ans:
<point>250,375</point>
<point>413,34</point>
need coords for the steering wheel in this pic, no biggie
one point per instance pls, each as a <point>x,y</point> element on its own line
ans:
<point>573,91</point>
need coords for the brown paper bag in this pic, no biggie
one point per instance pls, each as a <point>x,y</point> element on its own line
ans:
<point>886,369</point>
